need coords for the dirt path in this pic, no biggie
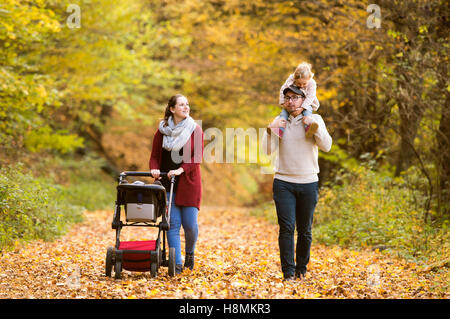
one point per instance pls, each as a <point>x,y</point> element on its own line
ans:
<point>236,257</point>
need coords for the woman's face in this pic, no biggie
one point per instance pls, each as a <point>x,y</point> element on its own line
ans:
<point>181,110</point>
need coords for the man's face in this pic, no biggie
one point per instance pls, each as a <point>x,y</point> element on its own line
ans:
<point>292,101</point>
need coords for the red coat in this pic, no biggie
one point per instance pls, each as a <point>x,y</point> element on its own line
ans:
<point>189,192</point>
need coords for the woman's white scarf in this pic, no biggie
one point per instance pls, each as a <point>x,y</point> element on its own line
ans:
<point>175,136</point>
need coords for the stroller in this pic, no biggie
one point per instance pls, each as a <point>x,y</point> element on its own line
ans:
<point>143,204</point>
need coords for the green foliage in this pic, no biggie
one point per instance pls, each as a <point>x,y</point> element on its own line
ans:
<point>25,91</point>
<point>44,138</point>
<point>373,209</point>
<point>364,206</point>
<point>56,83</point>
<point>266,210</point>
<point>82,180</point>
<point>37,207</point>
<point>87,185</point>
<point>32,208</point>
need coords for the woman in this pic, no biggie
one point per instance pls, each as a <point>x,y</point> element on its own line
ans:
<point>178,149</point>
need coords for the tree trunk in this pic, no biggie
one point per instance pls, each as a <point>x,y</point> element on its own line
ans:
<point>410,117</point>
<point>443,142</point>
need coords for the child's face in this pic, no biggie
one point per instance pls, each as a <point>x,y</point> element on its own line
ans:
<point>301,83</point>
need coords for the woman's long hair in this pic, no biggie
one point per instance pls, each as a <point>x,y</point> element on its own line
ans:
<point>172,102</point>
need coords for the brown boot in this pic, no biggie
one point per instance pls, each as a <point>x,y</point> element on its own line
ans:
<point>189,261</point>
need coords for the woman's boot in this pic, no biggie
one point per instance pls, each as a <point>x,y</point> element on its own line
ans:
<point>189,261</point>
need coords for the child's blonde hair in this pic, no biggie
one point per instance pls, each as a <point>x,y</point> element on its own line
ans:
<point>303,71</point>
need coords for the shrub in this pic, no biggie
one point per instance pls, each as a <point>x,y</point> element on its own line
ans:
<point>365,206</point>
<point>87,185</point>
<point>32,208</point>
<point>371,208</point>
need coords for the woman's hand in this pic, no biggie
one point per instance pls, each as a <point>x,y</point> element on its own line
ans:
<point>155,173</point>
<point>175,172</point>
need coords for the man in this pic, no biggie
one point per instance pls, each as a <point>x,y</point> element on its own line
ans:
<point>295,184</point>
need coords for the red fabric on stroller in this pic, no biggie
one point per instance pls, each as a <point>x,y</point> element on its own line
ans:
<point>137,262</point>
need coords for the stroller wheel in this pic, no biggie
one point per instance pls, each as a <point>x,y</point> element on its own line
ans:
<point>118,269</point>
<point>154,270</point>
<point>109,262</point>
<point>172,261</point>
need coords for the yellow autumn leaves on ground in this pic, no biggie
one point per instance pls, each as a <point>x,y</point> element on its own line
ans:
<point>236,257</point>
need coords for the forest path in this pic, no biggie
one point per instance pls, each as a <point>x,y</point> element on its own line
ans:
<point>237,256</point>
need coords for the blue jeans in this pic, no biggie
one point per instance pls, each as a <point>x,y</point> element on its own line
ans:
<point>186,216</point>
<point>285,115</point>
<point>295,204</point>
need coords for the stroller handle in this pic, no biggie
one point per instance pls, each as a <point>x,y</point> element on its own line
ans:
<point>148,174</point>
<point>132,173</point>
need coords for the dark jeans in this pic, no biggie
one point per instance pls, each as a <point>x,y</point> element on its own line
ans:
<point>295,204</point>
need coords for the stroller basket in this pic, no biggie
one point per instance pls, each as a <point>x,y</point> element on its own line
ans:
<point>138,254</point>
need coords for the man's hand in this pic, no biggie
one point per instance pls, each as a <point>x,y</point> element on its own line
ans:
<point>278,122</point>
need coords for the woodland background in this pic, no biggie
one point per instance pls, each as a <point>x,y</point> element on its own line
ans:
<point>79,105</point>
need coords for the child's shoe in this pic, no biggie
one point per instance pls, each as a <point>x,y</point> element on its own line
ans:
<point>311,129</point>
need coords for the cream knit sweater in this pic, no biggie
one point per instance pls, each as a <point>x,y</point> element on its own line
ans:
<point>297,157</point>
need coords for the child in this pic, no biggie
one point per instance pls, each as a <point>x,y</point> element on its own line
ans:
<point>302,78</point>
